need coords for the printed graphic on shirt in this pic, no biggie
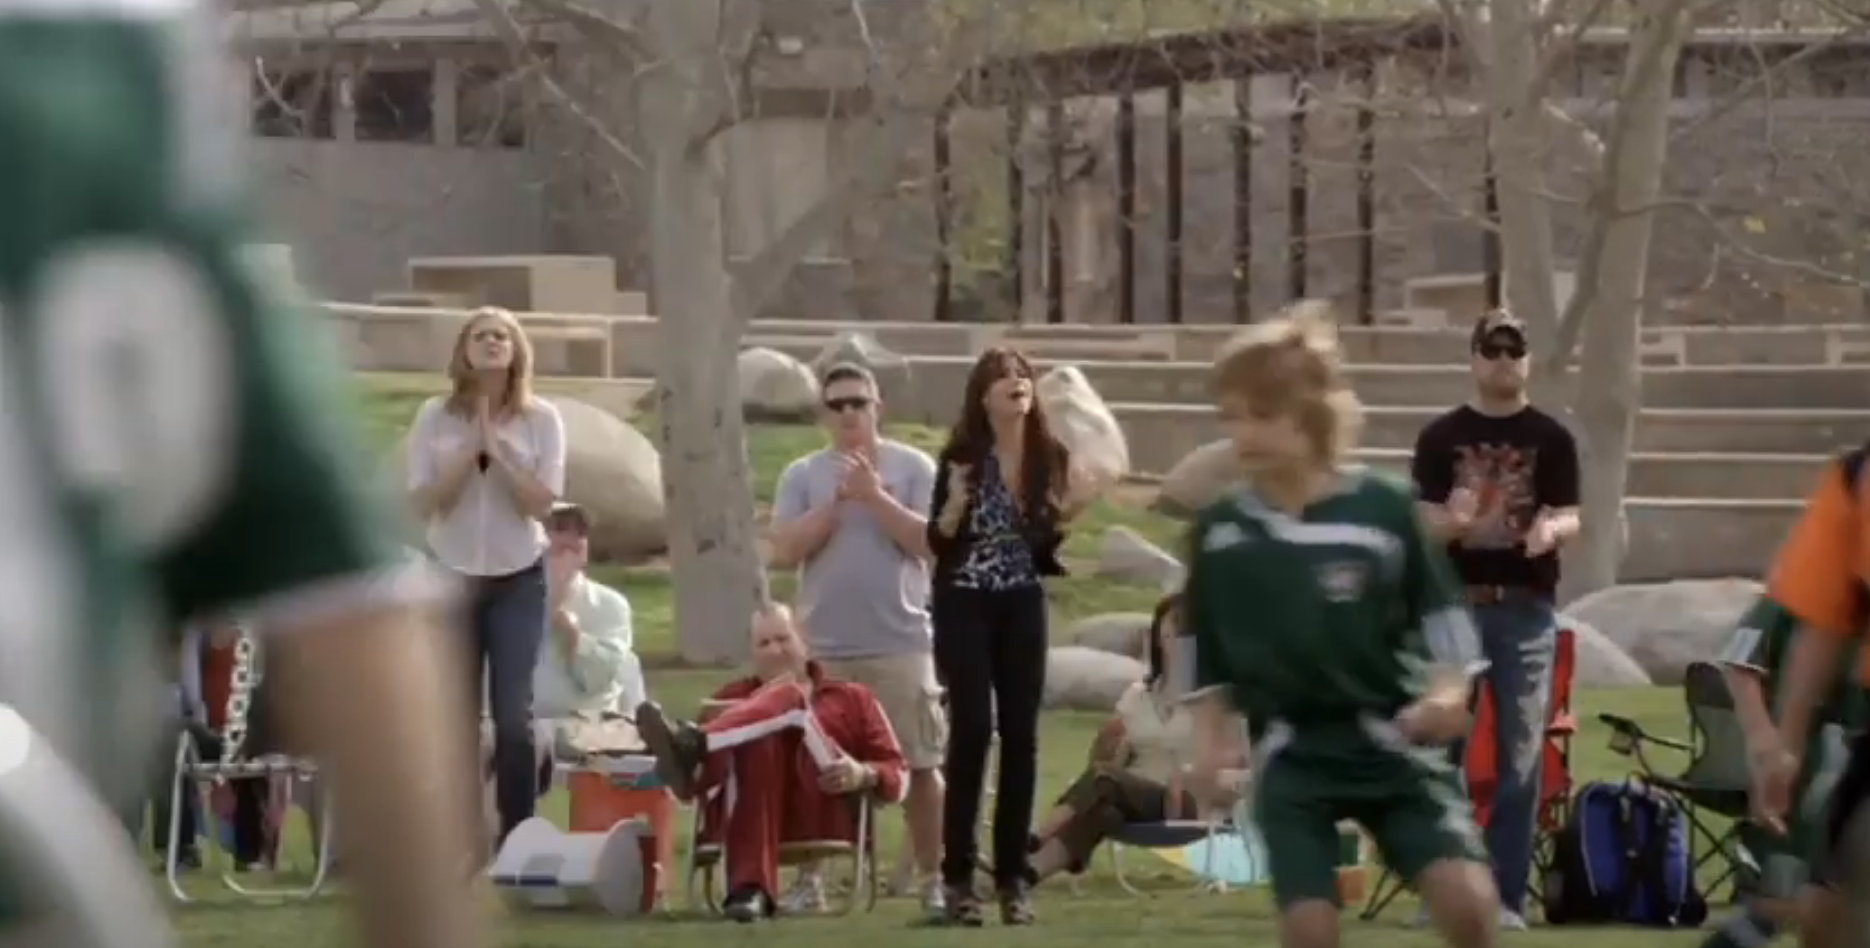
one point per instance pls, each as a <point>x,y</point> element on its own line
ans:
<point>1342,580</point>
<point>1502,479</point>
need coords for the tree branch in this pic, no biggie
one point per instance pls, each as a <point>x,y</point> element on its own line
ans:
<point>507,28</point>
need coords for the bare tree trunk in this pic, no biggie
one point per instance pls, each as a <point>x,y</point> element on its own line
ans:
<point>713,548</point>
<point>1610,387</point>
<point>1517,137</point>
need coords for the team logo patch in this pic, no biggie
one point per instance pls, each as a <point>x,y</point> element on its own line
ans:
<point>1343,580</point>
<point>1221,536</point>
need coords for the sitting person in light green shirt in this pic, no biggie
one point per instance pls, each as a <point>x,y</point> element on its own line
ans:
<point>587,667</point>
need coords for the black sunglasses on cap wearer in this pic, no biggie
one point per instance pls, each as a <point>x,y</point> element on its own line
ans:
<point>1501,343</point>
<point>838,406</point>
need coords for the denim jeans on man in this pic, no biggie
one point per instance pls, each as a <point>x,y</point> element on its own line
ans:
<point>1519,639</point>
<point>507,623</point>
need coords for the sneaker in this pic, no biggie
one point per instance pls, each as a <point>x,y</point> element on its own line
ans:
<point>961,908</point>
<point>747,905</point>
<point>1015,905</point>
<point>1511,921</point>
<point>935,900</point>
<point>678,747</point>
<point>806,897</point>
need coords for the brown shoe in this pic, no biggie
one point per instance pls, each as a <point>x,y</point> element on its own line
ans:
<point>677,745</point>
<point>1015,906</point>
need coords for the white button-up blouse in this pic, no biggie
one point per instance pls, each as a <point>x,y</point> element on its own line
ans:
<point>485,533</point>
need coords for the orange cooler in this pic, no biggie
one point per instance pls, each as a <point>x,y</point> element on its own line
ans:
<point>619,789</point>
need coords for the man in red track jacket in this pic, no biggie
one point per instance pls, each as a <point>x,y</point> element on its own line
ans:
<point>777,761</point>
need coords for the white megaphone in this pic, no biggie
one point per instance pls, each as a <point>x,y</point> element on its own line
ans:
<point>543,867</point>
<point>82,861</point>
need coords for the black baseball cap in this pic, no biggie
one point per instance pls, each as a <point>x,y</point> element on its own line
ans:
<point>1500,328</point>
<point>567,514</point>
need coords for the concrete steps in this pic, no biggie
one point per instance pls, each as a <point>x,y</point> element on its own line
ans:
<point>1159,435</point>
<point>940,381</point>
<point>1714,475</point>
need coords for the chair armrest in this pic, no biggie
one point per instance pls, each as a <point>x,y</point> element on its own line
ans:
<point>1167,834</point>
<point>1628,730</point>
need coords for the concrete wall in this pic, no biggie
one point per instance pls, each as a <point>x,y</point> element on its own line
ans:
<point>356,212</point>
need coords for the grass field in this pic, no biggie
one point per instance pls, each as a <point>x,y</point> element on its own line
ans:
<point>1101,913</point>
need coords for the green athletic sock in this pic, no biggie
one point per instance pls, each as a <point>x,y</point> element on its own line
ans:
<point>1747,929</point>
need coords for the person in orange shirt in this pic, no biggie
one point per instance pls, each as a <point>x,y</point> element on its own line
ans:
<point>1819,576</point>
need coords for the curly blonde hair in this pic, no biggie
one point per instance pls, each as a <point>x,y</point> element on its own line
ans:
<point>518,393</point>
<point>1292,365</point>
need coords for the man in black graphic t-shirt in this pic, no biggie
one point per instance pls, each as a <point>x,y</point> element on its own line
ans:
<point>1499,479</point>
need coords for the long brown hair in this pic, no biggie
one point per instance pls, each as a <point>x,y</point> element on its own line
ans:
<point>1045,462</point>
<point>518,372</point>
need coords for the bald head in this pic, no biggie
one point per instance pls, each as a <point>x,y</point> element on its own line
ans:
<point>778,648</point>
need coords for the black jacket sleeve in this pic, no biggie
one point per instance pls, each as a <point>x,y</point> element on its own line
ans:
<point>943,546</point>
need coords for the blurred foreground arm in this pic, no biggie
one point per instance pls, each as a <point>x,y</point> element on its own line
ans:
<point>372,694</point>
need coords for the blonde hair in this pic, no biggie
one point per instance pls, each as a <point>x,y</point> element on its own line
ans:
<point>1291,365</point>
<point>518,372</point>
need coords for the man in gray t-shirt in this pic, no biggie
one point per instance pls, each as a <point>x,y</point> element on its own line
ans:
<point>853,518</point>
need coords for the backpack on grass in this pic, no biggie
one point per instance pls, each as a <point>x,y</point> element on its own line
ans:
<point>1622,857</point>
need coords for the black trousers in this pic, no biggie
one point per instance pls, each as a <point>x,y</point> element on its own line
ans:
<point>1850,800</point>
<point>990,650</point>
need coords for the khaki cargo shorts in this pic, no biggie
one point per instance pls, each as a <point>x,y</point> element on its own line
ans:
<point>905,686</point>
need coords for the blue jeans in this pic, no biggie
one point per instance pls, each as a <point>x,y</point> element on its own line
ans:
<point>506,626</point>
<point>1519,639</point>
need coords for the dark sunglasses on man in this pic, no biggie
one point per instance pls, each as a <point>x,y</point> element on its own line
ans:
<point>838,406</point>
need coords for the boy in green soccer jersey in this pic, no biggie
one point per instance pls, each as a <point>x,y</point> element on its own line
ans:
<point>1791,850</point>
<point>169,448</point>
<point>1318,608</point>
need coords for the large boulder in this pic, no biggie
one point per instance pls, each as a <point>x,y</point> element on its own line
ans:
<point>611,469</point>
<point>1127,556</point>
<point>1119,633</point>
<point>614,471</point>
<point>1599,662</point>
<point>1198,479</point>
<point>775,386</point>
<point>1087,679</point>
<point>1080,419</point>
<point>890,368</point>
<point>1667,626</point>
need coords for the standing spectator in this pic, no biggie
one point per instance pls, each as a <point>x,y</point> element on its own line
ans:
<point>1498,479</point>
<point>1003,493</point>
<point>486,464</point>
<point>587,664</point>
<point>853,518</point>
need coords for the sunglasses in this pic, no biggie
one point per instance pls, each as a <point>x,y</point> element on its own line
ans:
<point>1501,350</point>
<point>838,406</point>
<point>488,335</point>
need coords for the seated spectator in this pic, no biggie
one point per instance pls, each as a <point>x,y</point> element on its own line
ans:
<point>1136,767</point>
<point>182,706</point>
<point>788,743</point>
<point>587,667</point>
<point>243,801</point>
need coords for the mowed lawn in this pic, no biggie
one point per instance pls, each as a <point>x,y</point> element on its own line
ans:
<point>1100,913</point>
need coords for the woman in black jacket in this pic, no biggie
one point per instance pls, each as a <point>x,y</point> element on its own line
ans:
<point>1002,496</point>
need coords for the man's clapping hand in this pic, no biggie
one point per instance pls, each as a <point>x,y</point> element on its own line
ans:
<point>861,481</point>
<point>845,776</point>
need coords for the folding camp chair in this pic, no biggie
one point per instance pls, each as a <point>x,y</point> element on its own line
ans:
<point>706,860</point>
<point>1716,781</point>
<point>206,759</point>
<point>1481,772</point>
<point>1178,834</point>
